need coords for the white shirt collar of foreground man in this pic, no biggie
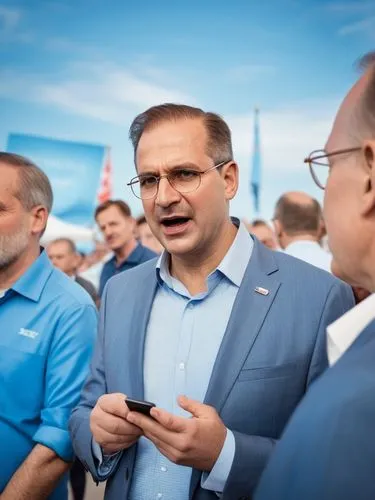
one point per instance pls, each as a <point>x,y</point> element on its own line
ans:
<point>344,331</point>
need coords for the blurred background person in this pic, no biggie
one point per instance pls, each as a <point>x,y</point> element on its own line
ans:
<point>91,266</point>
<point>63,255</point>
<point>264,233</point>
<point>146,236</point>
<point>117,225</point>
<point>298,227</point>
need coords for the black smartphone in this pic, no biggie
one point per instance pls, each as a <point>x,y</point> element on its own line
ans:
<point>143,407</point>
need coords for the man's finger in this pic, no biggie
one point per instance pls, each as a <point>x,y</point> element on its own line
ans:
<point>114,404</point>
<point>171,422</point>
<point>153,428</point>
<point>117,426</point>
<point>102,437</point>
<point>197,409</point>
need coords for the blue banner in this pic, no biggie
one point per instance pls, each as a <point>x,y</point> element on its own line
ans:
<point>73,168</point>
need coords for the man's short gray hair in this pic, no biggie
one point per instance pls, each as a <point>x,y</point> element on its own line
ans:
<point>34,187</point>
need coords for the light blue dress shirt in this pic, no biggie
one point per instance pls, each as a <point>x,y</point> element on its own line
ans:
<point>47,332</point>
<point>310,252</point>
<point>183,338</point>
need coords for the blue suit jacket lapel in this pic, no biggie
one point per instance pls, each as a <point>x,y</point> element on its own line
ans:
<point>248,314</point>
<point>249,311</point>
<point>143,300</point>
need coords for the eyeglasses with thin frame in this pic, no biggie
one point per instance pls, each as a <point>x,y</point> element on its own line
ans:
<point>183,180</point>
<point>320,158</point>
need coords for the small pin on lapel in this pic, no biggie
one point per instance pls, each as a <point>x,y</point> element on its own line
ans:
<point>262,291</point>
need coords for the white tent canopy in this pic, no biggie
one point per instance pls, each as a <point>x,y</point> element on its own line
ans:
<point>56,228</point>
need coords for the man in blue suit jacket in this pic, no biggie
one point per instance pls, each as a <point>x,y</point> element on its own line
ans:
<point>328,450</point>
<point>235,327</point>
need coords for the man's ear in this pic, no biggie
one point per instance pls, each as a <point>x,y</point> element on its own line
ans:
<point>229,173</point>
<point>39,219</point>
<point>368,198</point>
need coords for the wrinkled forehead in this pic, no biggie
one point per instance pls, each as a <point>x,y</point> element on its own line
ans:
<point>345,129</point>
<point>9,180</point>
<point>169,143</point>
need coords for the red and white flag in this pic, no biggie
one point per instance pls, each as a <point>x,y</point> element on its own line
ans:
<point>105,189</point>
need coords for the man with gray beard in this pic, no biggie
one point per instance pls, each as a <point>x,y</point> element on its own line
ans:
<point>47,330</point>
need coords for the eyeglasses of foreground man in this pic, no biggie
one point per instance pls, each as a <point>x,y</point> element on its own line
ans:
<point>183,180</point>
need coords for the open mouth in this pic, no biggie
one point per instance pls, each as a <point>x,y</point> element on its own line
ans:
<point>175,221</point>
<point>175,226</point>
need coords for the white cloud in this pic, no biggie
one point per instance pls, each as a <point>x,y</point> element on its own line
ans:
<point>287,134</point>
<point>10,21</point>
<point>106,92</point>
<point>364,26</point>
<point>9,18</point>
<point>354,7</point>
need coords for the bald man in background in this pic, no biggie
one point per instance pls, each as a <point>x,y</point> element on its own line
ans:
<point>298,223</point>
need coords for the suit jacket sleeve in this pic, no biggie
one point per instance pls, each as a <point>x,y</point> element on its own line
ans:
<point>253,452</point>
<point>94,387</point>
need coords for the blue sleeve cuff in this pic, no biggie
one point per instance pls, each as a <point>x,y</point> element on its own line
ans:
<point>57,440</point>
<point>105,462</point>
<point>216,479</point>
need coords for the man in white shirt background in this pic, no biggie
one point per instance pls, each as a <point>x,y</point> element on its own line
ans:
<point>298,222</point>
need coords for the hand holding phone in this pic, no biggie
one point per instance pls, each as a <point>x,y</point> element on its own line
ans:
<point>143,407</point>
<point>109,426</point>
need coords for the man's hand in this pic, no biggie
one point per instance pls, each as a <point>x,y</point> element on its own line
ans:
<point>194,442</point>
<point>109,426</point>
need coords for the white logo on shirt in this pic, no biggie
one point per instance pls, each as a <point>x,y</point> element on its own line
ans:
<point>28,333</point>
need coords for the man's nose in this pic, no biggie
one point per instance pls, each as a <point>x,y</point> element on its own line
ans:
<point>167,194</point>
<point>107,232</point>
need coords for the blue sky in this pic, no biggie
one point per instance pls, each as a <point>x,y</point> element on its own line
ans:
<point>82,69</point>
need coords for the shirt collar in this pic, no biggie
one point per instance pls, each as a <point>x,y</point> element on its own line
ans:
<point>344,331</point>
<point>303,243</point>
<point>233,265</point>
<point>133,258</point>
<point>33,280</point>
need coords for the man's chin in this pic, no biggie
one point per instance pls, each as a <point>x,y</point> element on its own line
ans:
<point>115,247</point>
<point>179,247</point>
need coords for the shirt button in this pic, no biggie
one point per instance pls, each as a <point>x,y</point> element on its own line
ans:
<point>190,305</point>
<point>159,495</point>
<point>181,366</point>
<point>163,468</point>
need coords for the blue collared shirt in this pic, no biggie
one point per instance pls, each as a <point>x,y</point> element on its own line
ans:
<point>139,255</point>
<point>183,338</point>
<point>47,331</point>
